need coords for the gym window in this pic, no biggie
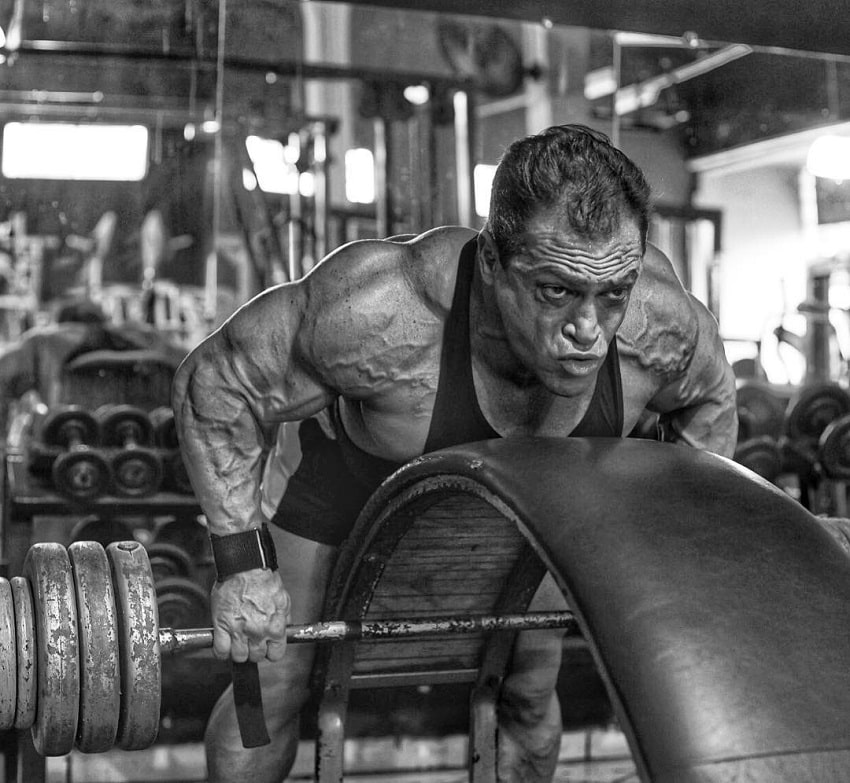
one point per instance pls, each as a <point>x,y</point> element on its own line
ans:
<point>65,151</point>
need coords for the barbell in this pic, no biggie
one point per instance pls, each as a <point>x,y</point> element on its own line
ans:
<point>81,647</point>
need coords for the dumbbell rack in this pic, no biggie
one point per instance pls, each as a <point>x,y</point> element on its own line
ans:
<point>26,496</point>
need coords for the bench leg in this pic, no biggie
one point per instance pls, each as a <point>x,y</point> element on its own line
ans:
<point>330,742</point>
<point>483,729</point>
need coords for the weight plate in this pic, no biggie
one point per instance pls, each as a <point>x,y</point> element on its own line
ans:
<point>82,474</point>
<point>25,644</point>
<point>813,407</point>
<point>138,634</point>
<point>168,560</point>
<point>8,657</point>
<point>189,534</point>
<point>834,449</point>
<point>798,456</point>
<point>761,455</point>
<point>182,603</point>
<point>176,476</point>
<point>104,530</point>
<point>57,649</point>
<point>100,675</point>
<point>136,472</point>
<point>122,423</point>
<point>760,411</point>
<point>165,431</point>
<point>68,424</point>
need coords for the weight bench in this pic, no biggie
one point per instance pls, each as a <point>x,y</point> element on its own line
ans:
<point>716,608</point>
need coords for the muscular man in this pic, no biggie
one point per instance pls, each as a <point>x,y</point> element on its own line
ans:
<point>556,319</point>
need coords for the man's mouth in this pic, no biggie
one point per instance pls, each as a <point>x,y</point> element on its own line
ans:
<point>579,365</point>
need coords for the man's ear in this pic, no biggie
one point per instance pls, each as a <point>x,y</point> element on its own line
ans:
<point>488,256</point>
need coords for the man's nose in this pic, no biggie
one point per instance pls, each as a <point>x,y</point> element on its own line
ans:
<point>583,326</point>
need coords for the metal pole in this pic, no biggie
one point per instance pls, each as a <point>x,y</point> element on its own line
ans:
<point>464,159</point>
<point>211,272</point>
<point>322,191</point>
<point>173,640</point>
<point>382,195</point>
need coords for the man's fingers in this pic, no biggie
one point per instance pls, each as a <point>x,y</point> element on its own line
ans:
<point>276,650</point>
<point>221,643</point>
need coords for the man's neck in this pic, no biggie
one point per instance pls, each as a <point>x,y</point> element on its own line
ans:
<point>489,345</point>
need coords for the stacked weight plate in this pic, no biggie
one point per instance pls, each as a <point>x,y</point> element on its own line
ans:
<point>79,648</point>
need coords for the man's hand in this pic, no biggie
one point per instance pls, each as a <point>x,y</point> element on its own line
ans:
<point>250,612</point>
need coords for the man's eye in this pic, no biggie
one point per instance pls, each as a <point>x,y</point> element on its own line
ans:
<point>617,294</point>
<point>554,292</point>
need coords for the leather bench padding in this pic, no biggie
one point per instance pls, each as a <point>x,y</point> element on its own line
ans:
<point>717,608</point>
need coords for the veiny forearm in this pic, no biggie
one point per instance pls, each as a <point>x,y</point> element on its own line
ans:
<point>221,440</point>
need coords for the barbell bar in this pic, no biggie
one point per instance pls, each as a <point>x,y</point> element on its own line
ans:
<point>81,647</point>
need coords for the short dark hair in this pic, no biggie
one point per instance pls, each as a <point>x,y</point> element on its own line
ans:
<point>569,166</point>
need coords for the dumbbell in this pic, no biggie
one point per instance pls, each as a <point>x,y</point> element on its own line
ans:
<point>165,436</point>
<point>181,602</point>
<point>168,560</point>
<point>760,411</point>
<point>834,448</point>
<point>127,434</point>
<point>81,646</point>
<point>812,408</point>
<point>762,455</point>
<point>79,470</point>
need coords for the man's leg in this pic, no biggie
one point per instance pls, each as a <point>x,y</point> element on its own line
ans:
<point>305,567</point>
<point>529,712</point>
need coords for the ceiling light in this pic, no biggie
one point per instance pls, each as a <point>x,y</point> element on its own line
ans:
<point>829,157</point>
<point>417,94</point>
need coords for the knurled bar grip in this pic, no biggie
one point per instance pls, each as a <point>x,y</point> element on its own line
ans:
<point>175,640</point>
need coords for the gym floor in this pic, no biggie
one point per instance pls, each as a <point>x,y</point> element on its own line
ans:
<point>591,756</point>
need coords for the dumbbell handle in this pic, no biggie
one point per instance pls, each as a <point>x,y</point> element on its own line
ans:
<point>176,640</point>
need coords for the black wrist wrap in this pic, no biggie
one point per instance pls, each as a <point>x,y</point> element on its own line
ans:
<point>243,551</point>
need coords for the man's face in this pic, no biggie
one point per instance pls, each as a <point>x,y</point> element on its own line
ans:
<point>563,298</point>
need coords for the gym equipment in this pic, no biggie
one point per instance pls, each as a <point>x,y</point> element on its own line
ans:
<point>182,602</point>
<point>187,533</point>
<point>78,470</point>
<point>98,643</point>
<point>176,477</point>
<point>26,690</point>
<point>761,411</point>
<point>165,431</point>
<point>813,407</point>
<point>141,674</point>
<point>834,448</point>
<point>100,680</point>
<point>126,431</point>
<point>8,658</point>
<point>715,607</point>
<point>677,566</point>
<point>103,529</point>
<point>762,455</point>
<point>57,659</point>
<point>169,560</point>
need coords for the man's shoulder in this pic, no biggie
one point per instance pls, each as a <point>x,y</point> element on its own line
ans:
<point>424,264</point>
<point>433,263</point>
<point>661,327</point>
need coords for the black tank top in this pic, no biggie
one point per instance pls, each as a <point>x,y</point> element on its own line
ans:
<point>335,477</point>
<point>457,417</point>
